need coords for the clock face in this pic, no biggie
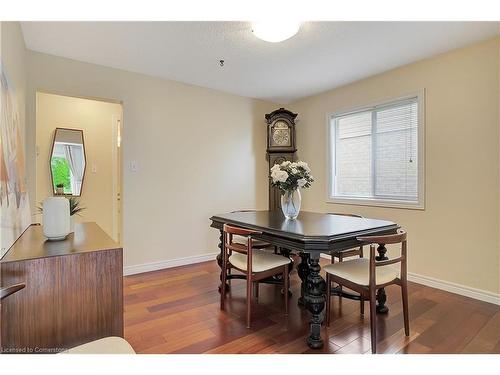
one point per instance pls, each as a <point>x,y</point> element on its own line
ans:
<point>281,134</point>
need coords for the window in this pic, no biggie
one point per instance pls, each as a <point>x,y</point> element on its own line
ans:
<point>376,155</point>
<point>64,158</point>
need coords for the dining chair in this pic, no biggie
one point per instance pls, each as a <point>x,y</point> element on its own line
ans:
<point>256,264</point>
<point>354,251</point>
<point>366,276</point>
<point>106,345</point>
<point>350,252</point>
<point>257,244</point>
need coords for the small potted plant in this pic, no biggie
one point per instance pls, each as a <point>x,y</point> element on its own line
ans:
<point>60,189</point>
<point>75,208</point>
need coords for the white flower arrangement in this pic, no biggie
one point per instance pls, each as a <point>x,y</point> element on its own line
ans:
<point>289,176</point>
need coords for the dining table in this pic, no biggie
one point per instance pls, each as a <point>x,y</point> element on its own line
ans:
<point>309,235</point>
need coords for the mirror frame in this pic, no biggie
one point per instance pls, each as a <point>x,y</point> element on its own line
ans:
<point>50,163</point>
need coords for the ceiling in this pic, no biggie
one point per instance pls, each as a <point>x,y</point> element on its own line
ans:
<point>322,56</point>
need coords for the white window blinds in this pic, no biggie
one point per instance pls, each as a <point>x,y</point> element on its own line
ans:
<point>375,153</point>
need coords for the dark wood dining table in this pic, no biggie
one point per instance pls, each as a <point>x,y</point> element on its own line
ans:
<point>309,235</point>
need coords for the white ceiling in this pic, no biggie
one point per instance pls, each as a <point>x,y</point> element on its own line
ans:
<point>322,56</point>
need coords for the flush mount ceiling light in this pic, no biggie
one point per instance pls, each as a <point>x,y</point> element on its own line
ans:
<point>275,31</point>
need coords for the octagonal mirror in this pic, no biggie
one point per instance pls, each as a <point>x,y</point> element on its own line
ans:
<point>67,162</point>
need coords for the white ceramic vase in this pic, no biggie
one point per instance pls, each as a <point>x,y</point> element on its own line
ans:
<point>56,220</point>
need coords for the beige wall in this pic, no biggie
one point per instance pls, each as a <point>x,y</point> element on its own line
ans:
<point>95,118</point>
<point>456,237</point>
<point>199,152</point>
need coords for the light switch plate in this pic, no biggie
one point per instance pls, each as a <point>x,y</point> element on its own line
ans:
<point>134,167</point>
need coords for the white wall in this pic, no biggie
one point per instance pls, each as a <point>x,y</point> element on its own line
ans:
<point>199,152</point>
<point>95,118</point>
<point>456,237</point>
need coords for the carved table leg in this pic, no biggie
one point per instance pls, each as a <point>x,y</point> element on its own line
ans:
<point>381,296</point>
<point>315,301</point>
<point>303,271</point>
<point>219,259</point>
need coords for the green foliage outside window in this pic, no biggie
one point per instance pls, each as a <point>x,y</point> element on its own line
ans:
<point>61,173</point>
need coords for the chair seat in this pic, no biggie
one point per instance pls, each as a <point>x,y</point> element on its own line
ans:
<point>261,261</point>
<point>107,345</point>
<point>358,271</point>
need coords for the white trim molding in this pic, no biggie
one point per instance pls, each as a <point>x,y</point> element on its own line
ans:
<point>448,286</point>
<point>154,266</point>
<point>463,290</point>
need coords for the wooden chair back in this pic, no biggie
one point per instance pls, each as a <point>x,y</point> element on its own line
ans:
<point>341,254</point>
<point>259,244</point>
<point>381,241</point>
<point>242,248</point>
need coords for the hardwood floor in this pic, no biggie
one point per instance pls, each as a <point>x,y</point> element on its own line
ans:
<point>177,311</point>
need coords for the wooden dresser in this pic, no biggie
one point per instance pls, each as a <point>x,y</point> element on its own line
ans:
<point>73,293</point>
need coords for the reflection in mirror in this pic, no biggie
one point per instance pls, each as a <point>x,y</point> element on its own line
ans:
<point>67,162</point>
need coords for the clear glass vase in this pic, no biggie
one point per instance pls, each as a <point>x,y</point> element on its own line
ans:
<point>290,203</point>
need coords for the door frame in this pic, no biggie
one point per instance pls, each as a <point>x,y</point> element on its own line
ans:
<point>116,158</point>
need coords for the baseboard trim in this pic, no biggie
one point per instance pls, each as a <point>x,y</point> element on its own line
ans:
<point>479,294</point>
<point>155,266</point>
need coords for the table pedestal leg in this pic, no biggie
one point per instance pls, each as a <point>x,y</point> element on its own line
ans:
<point>303,271</point>
<point>315,302</point>
<point>381,296</point>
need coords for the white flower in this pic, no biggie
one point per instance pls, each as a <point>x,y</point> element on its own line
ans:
<point>295,171</point>
<point>286,163</point>
<point>301,182</point>
<point>280,176</point>
<point>304,165</point>
<point>275,167</point>
<point>274,175</point>
<point>293,165</point>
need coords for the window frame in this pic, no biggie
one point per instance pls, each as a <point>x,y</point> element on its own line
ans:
<point>376,201</point>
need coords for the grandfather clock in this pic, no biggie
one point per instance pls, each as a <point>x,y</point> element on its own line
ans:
<point>280,145</point>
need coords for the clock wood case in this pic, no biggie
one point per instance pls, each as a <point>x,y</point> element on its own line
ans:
<point>281,131</point>
<point>280,145</point>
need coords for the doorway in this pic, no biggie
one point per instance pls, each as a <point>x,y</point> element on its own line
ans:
<point>100,122</point>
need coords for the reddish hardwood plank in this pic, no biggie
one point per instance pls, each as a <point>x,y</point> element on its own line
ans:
<point>177,311</point>
<point>487,340</point>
